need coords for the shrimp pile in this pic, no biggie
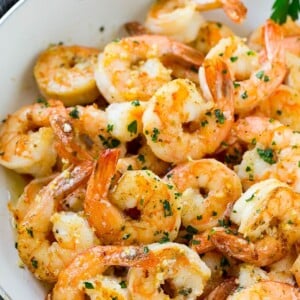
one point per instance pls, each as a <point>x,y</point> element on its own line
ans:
<point>165,165</point>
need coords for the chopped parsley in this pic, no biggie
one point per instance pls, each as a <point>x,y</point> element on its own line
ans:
<point>135,103</point>
<point>74,113</point>
<point>185,291</point>
<point>88,285</point>
<point>220,116</point>
<point>34,263</point>
<point>132,127</point>
<point>191,229</point>
<point>154,135</point>
<point>233,58</point>
<point>43,101</point>
<point>167,208</point>
<point>110,127</point>
<point>266,155</point>
<point>123,284</point>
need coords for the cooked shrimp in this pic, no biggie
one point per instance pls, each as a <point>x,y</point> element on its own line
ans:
<point>210,33</point>
<point>266,290</point>
<point>268,216</point>
<point>144,159</point>
<point>180,270</point>
<point>264,77</point>
<point>124,120</point>
<point>178,19</point>
<point>275,155</point>
<point>25,200</point>
<point>79,274</point>
<point>178,118</point>
<point>181,20</point>
<point>67,73</point>
<point>153,207</point>
<point>207,187</point>
<point>290,29</point>
<point>44,258</point>
<point>223,290</point>
<point>131,69</point>
<point>26,139</point>
<point>83,133</point>
<point>282,105</point>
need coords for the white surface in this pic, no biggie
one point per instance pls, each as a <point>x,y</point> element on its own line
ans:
<point>30,28</point>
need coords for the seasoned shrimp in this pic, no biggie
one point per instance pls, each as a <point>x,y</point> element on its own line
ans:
<point>178,19</point>
<point>181,20</point>
<point>275,153</point>
<point>67,73</point>
<point>153,208</point>
<point>144,159</point>
<point>293,64</point>
<point>44,258</point>
<point>180,270</point>
<point>282,105</point>
<point>205,196</point>
<point>265,76</point>
<point>266,290</point>
<point>268,216</point>
<point>290,30</point>
<point>178,118</point>
<point>124,120</point>
<point>131,69</point>
<point>210,33</point>
<point>223,290</point>
<point>83,133</point>
<point>26,139</point>
<point>79,275</point>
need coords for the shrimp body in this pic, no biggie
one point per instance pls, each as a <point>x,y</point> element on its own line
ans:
<point>179,267</point>
<point>125,119</point>
<point>67,73</point>
<point>254,80</point>
<point>26,139</point>
<point>83,272</point>
<point>45,258</point>
<point>282,105</point>
<point>195,127</point>
<point>177,19</point>
<point>268,216</point>
<point>131,69</point>
<point>153,208</point>
<point>203,211</point>
<point>181,20</point>
<point>209,35</point>
<point>266,290</point>
<point>275,155</point>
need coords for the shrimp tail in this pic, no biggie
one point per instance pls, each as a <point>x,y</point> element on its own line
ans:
<point>65,140</point>
<point>257,254</point>
<point>273,36</point>
<point>135,28</point>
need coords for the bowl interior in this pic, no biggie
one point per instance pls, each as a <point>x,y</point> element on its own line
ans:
<point>27,29</point>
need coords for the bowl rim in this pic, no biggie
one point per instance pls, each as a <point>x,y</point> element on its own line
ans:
<point>11,10</point>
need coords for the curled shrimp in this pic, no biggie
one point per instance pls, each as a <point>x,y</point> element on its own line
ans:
<point>266,290</point>
<point>81,272</point>
<point>178,118</point>
<point>265,76</point>
<point>153,208</point>
<point>67,73</point>
<point>44,258</point>
<point>282,105</point>
<point>131,69</point>
<point>181,20</point>
<point>179,269</point>
<point>275,153</point>
<point>268,216</point>
<point>26,139</point>
<point>205,196</point>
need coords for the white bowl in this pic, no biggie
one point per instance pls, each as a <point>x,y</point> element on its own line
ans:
<point>30,27</point>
